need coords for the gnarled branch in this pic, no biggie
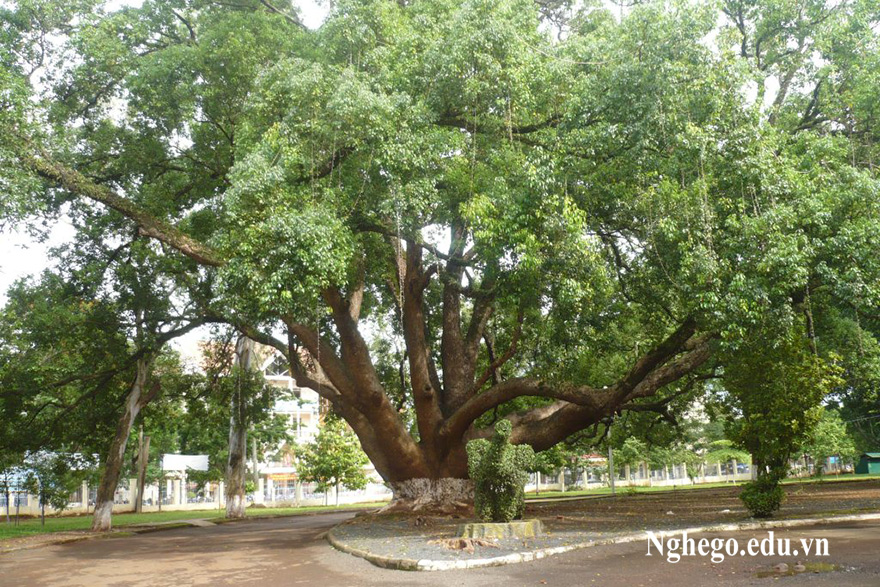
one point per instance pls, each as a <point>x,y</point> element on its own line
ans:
<point>582,395</point>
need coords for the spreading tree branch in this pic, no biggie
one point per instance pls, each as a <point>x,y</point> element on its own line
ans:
<point>496,364</point>
<point>148,225</point>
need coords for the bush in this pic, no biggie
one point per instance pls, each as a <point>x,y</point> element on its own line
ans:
<point>498,471</point>
<point>762,498</point>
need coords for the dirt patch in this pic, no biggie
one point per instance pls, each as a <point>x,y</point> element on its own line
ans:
<point>40,540</point>
<point>698,507</point>
<point>596,520</point>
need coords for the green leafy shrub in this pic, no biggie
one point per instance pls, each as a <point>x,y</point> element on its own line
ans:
<point>498,470</point>
<point>762,497</point>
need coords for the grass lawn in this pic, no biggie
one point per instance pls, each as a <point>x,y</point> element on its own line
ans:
<point>688,487</point>
<point>620,490</point>
<point>846,477</point>
<point>29,526</point>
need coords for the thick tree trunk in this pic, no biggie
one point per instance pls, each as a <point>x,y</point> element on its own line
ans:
<point>431,474</point>
<point>236,465</point>
<point>445,496</point>
<point>113,462</point>
<point>236,468</point>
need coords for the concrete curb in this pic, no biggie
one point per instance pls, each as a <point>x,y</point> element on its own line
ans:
<point>406,564</point>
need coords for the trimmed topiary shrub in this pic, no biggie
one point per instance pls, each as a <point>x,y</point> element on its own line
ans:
<point>498,470</point>
<point>762,497</point>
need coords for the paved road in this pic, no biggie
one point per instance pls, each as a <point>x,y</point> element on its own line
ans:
<point>289,551</point>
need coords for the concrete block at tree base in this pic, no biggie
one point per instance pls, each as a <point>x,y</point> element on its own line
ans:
<point>517,529</point>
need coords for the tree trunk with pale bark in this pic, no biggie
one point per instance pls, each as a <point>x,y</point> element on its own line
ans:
<point>236,465</point>
<point>143,457</point>
<point>138,396</point>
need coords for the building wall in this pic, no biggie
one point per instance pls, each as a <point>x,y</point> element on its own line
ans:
<point>303,411</point>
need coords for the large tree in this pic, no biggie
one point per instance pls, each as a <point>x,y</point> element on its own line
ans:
<point>581,222</point>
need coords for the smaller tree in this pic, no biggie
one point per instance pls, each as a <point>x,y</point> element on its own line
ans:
<point>549,462</point>
<point>236,404</point>
<point>498,470</point>
<point>661,457</point>
<point>272,435</point>
<point>828,439</point>
<point>334,458</point>
<point>631,453</point>
<point>723,451</point>
<point>776,383</point>
<point>692,462</point>
<point>698,440</point>
<point>52,477</point>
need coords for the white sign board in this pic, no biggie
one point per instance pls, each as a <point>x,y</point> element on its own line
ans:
<point>184,462</point>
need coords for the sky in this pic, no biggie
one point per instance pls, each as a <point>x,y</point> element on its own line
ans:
<point>20,255</point>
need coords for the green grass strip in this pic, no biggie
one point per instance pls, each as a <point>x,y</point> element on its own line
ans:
<point>31,526</point>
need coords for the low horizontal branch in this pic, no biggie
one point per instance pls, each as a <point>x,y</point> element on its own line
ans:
<point>513,388</point>
<point>148,225</point>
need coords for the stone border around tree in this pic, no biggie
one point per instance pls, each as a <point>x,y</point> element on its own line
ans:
<point>405,564</point>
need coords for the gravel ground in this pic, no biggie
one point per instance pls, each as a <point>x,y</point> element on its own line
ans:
<point>399,537</point>
<point>597,519</point>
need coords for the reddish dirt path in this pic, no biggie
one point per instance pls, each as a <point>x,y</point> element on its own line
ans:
<point>287,551</point>
<point>291,551</point>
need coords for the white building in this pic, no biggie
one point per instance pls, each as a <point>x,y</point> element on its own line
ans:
<point>302,408</point>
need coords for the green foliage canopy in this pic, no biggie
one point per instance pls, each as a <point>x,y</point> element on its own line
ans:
<point>616,212</point>
<point>829,438</point>
<point>334,458</point>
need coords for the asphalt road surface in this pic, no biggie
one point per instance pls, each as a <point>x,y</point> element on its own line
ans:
<point>291,551</point>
